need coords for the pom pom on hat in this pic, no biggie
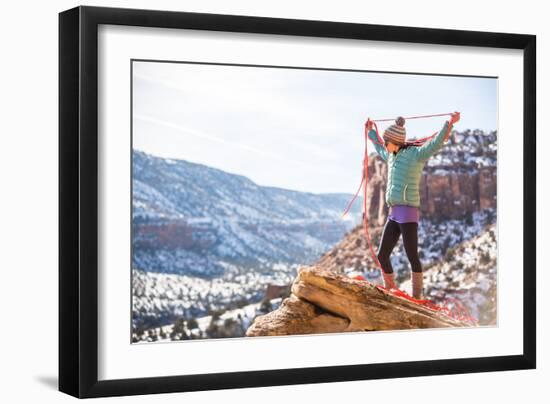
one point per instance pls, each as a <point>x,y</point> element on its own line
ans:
<point>396,133</point>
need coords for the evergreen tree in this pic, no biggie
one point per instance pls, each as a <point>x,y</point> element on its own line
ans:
<point>485,258</point>
<point>265,306</point>
<point>162,334</point>
<point>192,323</point>
<point>469,219</point>
<point>490,216</point>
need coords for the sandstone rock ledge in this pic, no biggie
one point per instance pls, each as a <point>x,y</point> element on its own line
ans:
<point>323,302</point>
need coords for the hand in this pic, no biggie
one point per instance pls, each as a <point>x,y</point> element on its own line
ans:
<point>455,117</point>
<point>368,125</point>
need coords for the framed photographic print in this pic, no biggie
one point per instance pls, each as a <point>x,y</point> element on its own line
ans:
<point>250,201</point>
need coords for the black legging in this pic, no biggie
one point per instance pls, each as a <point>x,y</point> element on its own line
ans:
<point>390,236</point>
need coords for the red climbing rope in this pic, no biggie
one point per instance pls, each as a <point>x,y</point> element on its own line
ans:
<point>411,117</point>
<point>459,312</point>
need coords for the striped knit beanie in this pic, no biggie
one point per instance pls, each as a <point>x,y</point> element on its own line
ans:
<point>396,133</point>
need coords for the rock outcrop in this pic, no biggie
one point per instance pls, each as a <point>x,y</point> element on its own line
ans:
<point>323,301</point>
<point>297,316</point>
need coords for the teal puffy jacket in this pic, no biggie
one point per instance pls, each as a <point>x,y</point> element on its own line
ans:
<point>405,168</point>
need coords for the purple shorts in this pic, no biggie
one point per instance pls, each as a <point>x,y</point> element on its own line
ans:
<point>404,214</point>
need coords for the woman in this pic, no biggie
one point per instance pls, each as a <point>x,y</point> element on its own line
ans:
<point>405,163</point>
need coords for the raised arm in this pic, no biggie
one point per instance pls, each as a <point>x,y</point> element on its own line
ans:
<point>432,146</point>
<point>380,149</point>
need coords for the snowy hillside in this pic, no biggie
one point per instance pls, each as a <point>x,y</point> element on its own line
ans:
<point>467,150</point>
<point>191,219</point>
<point>231,323</point>
<point>166,188</point>
<point>163,298</point>
<point>204,239</point>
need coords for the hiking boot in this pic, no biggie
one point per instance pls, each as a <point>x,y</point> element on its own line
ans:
<point>417,285</point>
<point>389,280</point>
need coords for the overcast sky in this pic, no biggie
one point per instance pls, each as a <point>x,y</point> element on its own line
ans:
<point>292,128</point>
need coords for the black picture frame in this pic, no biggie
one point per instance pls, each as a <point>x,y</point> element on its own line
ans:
<point>78,200</point>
